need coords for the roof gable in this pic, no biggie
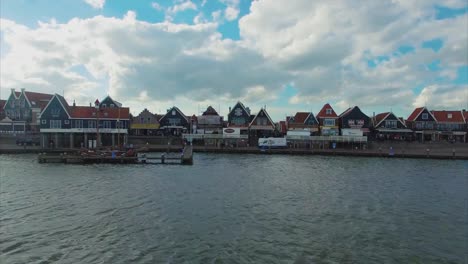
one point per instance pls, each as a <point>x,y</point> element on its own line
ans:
<point>311,119</point>
<point>262,113</point>
<point>323,112</point>
<point>430,116</point>
<point>415,114</point>
<point>62,102</point>
<point>177,111</point>
<point>379,117</point>
<point>389,116</point>
<point>241,106</point>
<point>210,111</point>
<point>108,101</point>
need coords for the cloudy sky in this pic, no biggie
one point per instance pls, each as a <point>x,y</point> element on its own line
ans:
<point>290,55</point>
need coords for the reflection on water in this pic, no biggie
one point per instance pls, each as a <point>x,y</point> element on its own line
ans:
<point>235,209</point>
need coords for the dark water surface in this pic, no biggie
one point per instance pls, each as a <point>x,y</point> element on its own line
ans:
<point>235,209</point>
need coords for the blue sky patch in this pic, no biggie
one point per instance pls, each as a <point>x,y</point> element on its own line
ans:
<point>462,75</point>
<point>434,44</point>
<point>443,12</point>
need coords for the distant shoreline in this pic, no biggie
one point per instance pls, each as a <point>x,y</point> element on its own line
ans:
<point>397,153</point>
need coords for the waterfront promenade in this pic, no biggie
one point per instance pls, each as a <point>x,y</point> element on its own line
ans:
<point>438,150</point>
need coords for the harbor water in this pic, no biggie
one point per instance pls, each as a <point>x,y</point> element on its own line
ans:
<point>232,208</point>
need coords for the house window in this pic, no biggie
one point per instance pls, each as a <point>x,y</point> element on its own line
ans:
<point>43,121</point>
<point>174,121</point>
<point>391,124</point>
<point>55,123</point>
<point>425,116</point>
<point>329,122</point>
<point>173,112</point>
<point>91,124</point>
<point>104,105</point>
<point>66,122</point>
<point>118,124</point>
<point>55,112</point>
<point>78,124</point>
<point>142,120</point>
<point>449,115</point>
<point>112,105</point>
<point>329,111</point>
<point>238,121</point>
<point>107,124</point>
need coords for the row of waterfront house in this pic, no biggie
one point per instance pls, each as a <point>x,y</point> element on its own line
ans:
<point>109,123</point>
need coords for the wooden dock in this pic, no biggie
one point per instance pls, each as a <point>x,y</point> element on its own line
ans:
<point>184,158</point>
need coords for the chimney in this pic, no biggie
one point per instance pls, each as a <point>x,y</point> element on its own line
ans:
<point>74,104</point>
<point>12,90</point>
<point>90,104</point>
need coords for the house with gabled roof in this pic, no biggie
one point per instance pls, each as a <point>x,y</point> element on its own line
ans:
<point>62,125</point>
<point>174,122</point>
<point>353,122</point>
<point>388,126</point>
<point>303,121</point>
<point>23,109</point>
<point>261,126</point>
<point>328,121</point>
<point>209,122</point>
<point>451,125</point>
<point>239,116</point>
<point>423,123</point>
<point>109,102</point>
<point>144,124</point>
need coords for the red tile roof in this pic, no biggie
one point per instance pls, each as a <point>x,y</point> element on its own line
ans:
<point>38,99</point>
<point>443,116</point>
<point>380,117</point>
<point>2,103</point>
<point>87,112</point>
<point>323,112</point>
<point>415,114</point>
<point>301,117</point>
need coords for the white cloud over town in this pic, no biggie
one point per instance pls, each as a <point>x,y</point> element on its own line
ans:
<point>322,48</point>
<point>98,4</point>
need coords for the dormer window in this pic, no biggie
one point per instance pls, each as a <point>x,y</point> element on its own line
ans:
<point>449,115</point>
<point>112,105</point>
<point>328,111</point>
<point>104,106</point>
<point>425,116</point>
